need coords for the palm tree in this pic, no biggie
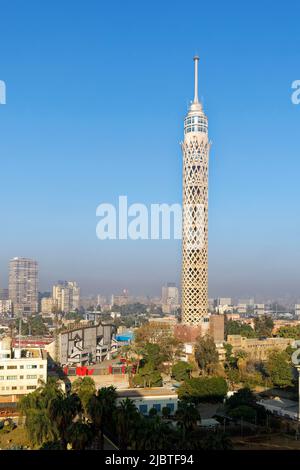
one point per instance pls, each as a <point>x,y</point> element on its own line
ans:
<point>188,415</point>
<point>39,427</point>
<point>35,408</point>
<point>85,388</point>
<point>153,434</point>
<point>126,417</point>
<point>100,409</point>
<point>63,411</point>
<point>79,435</point>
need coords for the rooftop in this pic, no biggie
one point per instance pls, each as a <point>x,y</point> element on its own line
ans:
<point>146,392</point>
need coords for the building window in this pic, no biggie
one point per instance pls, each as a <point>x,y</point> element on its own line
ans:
<point>31,387</point>
<point>1,377</point>
<point>11,367</point>
<point>157,407</point>
<point>1,367</point>
<point>21,376</point>
<point>31,366</point>
<point>12,377</point>
<point>14,388</point>
<point>171,407</point>
<point>31,376</point>
<point>21,367</point>
<point>41,366</point>
<point>143,409</point>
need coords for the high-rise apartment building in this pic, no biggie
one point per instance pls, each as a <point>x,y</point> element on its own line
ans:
<point>4,295</point>
<point>169,297</point>
<point>23,285</point>
<point>66,296</point>
<point>195,150</point>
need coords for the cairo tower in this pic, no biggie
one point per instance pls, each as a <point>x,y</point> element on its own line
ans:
<point>195,150</point>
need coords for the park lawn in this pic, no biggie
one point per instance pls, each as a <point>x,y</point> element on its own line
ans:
<point>17,437</point>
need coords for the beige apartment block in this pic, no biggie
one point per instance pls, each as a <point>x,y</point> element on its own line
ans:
<point>66,295</point>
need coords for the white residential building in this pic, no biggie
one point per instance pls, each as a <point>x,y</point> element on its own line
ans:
<point>147,398</point>
<point>21,370</point>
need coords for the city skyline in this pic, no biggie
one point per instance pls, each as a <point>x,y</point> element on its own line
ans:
<point>67,160</point>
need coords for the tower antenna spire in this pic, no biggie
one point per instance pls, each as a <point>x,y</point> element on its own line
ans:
<point>196,60</point>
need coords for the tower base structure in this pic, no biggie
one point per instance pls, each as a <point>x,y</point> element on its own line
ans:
<point>212,325</point>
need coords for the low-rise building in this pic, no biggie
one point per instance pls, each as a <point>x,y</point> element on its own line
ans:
<point>21,370</point>
<point>281,407</point>
<point>280,323</point>
<point>82,344</point>
<point>259,309</point>
<point>233,316</point>
<point>258,348</point>
<point>147,398</point>
<point>5,306</point>
<point>48,304</point>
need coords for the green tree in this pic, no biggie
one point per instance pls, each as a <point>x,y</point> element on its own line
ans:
<point>35,407</point>
<point>244,396</point>
<point>187,415</point>
<point>263,325</point>
<point>289,332</point>
<point>243,412</point>
<point>181,370</point>
<point>238,328</point>
<point>203,389</point>
<point>79,435</point>
<point>228,353</point>
<point>62,411</point>
<point>152,355</point>
<point>206,354</point>
<point>233,376</point>
<point>166,412</point>
<point>278,368</point>
<point>39,427</point>
<point>101,408</point>
<point>148,377</point>
<point>153,434</point>
<point>127,418</point>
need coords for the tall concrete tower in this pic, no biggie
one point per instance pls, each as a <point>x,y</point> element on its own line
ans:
<point>195,150</point>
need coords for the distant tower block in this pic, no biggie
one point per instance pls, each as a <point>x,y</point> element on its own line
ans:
<point>195,150</point>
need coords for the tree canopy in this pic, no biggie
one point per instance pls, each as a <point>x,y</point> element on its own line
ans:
<point>279,369</point>
<point>206,354</point>
<point>203,389</point>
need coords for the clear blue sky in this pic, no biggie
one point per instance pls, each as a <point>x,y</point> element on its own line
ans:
<point>96,96</point>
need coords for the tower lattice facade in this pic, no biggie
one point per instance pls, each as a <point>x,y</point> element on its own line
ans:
<point>195,150</point>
